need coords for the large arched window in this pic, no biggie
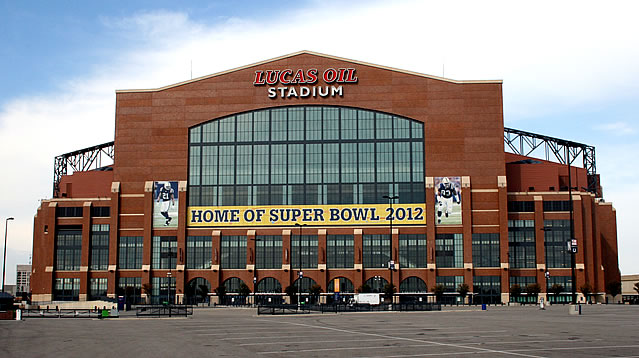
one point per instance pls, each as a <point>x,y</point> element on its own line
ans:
<point>306,155</point>
<point>413,284</point>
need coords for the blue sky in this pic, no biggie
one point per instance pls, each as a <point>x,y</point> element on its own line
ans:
<point>569,71</point>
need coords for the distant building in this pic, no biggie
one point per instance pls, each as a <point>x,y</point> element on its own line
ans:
<point>23,279</point>
<point>627,288</point>
<point>10,289</point>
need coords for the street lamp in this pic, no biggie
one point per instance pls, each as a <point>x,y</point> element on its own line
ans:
<point>255,270</point>
<point>168,287</point>
<point>300,274</point>
<point>573,241</point>
<point>4,260</point>
<point>391,263</point>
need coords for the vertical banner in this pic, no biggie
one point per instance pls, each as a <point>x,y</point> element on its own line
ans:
<point>165,204</point>
<point>448,201</point>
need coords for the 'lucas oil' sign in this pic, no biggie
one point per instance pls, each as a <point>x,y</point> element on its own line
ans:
<point>290,83</point>
<point>321,215</point>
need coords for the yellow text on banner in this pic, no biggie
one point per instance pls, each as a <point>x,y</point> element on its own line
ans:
<point>360,214</point>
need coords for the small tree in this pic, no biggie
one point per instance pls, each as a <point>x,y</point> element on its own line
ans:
<point>439,290</point>
<point>533,289</point>
<point>315,291</point>
<point>515,291</point>
<point>586,290</point>
<point>291,291</point>
<point>463,289</point>
<point>203,291</point>
<point>613,288</point>
<point>147,288</point>
<point>365,288</point>
<point>244,290</point>
<point>389,291</point>
<point>556,289</point>
<point>636,287</point>
<point>220,291</point>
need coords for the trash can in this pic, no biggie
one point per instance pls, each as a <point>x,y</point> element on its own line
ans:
<point>483,306</point>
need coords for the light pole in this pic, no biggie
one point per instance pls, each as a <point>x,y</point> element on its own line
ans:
<point>391,263</point>
<point>168,287</point>
<point>255,270</point>
<point>573,241</point>
<point>300,274</point>
<point>4,260</point>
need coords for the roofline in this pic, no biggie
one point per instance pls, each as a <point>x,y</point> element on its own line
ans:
<point>309,53</point>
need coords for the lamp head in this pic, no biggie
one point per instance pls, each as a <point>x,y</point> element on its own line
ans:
<point>11,218</point>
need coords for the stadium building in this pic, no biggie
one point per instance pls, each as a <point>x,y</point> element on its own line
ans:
<point>310,170</point>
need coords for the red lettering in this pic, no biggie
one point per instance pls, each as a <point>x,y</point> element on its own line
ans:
<point>351,77</point>
<point>283,76</point>
<point>299,77</point>
<point>311,75</point>
<point>271,77</point>
<point>330,75</point>
<point>258,78</point>
<point>341,76</point>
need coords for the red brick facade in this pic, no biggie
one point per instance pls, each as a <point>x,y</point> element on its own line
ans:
<point>463,136</point>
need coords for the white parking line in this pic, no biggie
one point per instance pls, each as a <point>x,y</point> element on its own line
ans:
<point>428,343</point>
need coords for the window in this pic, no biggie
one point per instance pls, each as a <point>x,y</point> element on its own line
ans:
<point>131,287</point>
<point>66,289</point>
<point>303,155</point>
<point>556,237</point>
<point>130,252</point>
<point>198,252</point>
<point>345,285</point>
<point>99,247</point>
<point>308,252</point>
<point>413,285</point>
<point>162,290</point>
<point>269,285</point>
<point>450,282</point>
<point>376,283</point>
<point>68,212</point>
<point>521,244</point>
<point>449,250</point>
<point>559,205</point>
<point>522,281</point>
<point>340,251</point>
<point>565,281</point>
<point>487,289</point>
<point>268,252</point>
<point>100,211</point>
<point>68,249</point>
<point>486,250</point>
<point>233,284</point>
<point>233,252</point>
<point>164,252</point>
<point>98,288</point>
<point>412,250</point>
<point>376,251</point>
<point>521,206</point>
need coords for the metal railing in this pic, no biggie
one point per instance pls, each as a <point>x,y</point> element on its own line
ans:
<point>163,310</point>
<point>342,307</point>
<point>61,313</point>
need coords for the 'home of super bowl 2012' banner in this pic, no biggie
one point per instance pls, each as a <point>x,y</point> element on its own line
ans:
<point>361,214</point>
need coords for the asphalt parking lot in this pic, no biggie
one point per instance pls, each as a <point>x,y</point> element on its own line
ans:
<point>601,331</point>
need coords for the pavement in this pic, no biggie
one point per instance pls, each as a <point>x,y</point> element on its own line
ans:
<point>526,331</point>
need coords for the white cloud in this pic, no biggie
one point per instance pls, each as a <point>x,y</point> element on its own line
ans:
<point>617,128</point>
<point>553,56</point>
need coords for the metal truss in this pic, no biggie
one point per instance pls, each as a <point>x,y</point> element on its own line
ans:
<point>85,159</point>
<point>516,141</point>
<point>553,149</point>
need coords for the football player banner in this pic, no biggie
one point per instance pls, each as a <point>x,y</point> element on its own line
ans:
<point>448,201</point>
<point>165,204</point>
